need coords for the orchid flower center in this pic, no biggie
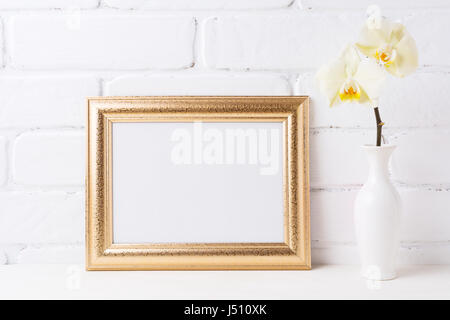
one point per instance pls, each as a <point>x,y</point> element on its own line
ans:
<point>350,90</point>
<point>386,54</point>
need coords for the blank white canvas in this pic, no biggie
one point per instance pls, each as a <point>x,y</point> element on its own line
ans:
<point>158,201</point>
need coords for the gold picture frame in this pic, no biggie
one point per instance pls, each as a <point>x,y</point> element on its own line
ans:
<point>292,254</point>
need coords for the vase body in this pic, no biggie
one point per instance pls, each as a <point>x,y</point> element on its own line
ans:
<point>377,215</point>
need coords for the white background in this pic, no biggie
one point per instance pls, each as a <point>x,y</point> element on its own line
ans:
<point>53,57</point>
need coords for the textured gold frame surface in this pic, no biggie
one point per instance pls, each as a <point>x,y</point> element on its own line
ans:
<point>103,254</point>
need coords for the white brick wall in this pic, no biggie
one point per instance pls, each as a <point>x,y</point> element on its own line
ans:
<point>330,163</point>
<point>239,84</point>
<point>50,60</point>
<point>197,4</point>
<point>3,160</point>
<point>405,106</point>
<point>272,42</point>
<point>41,217</point>
<point>363,4</point>
<point>425,218</point>
<point>58,100</point>
<point>423,157</point>
<point>101,42</point>
<point>45,4</point>
<point>49,158</point>
<point>429,28</point>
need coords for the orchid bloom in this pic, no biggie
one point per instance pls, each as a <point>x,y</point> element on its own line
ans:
<point>350,79</point>
<point>390,44</point>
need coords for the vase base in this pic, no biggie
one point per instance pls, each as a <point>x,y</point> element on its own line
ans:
<point>377,275</point>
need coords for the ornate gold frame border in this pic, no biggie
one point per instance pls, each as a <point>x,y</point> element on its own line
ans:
<point>102,254</point>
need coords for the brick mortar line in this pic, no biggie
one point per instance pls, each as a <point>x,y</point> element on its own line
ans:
<point>33,189</point>
<point>292,6</point>
<point>316,244</point>
<point>9,70</point>
<point>11,187</point>
<point>196,51</point>
<point>209,13</point>
<point>4,130</point>
<point>400,186</point>
<point>74,189</point>
<point>164,12</point>
<point>387,129</point>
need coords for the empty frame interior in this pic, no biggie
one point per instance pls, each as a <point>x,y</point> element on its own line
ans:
<point>197,183</point>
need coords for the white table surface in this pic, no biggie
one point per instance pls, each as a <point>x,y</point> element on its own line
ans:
<point>323,282</point>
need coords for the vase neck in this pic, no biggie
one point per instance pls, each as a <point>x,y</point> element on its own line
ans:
<point>378,158</point>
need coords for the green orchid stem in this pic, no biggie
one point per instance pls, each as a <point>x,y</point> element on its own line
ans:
<point>380,125</point>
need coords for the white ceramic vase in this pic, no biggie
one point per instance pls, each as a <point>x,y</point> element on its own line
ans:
<point>377,217</point>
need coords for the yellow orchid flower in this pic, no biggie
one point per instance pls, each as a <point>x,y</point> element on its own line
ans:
<point>391,45</point>
<point>350,79</point>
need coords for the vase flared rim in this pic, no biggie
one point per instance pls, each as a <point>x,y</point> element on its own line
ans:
<point>384,146</point>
